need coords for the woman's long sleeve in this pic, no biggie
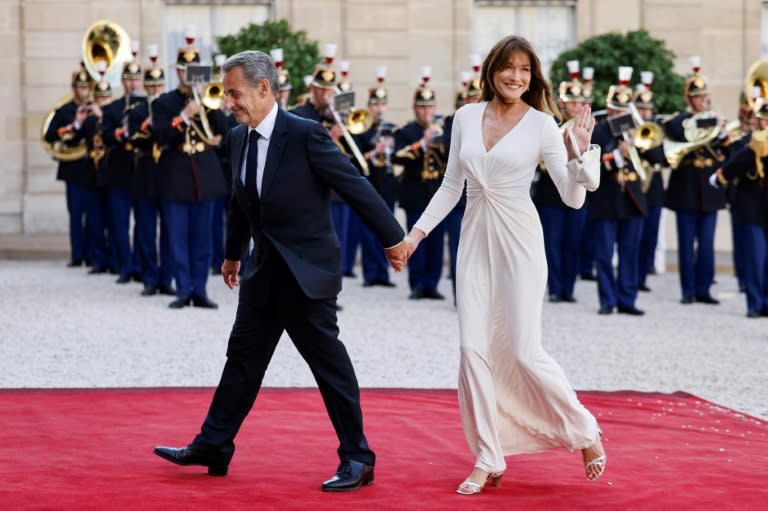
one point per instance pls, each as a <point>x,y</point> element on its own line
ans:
<point>572,178</point>
<point>452,186</point>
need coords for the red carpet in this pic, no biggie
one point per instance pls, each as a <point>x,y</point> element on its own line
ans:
<point>92,450</point>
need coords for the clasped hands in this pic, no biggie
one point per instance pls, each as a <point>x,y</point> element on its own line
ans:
<point>399,254</point>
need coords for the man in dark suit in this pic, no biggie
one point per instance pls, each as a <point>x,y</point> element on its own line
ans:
<point>283,170</point>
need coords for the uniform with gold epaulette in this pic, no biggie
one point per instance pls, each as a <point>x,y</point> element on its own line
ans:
<point>745,171</point>
<point>563,227</point>
<point>617,210</point>
<point>156,267</point>
<point>192,178</point>
<point>689,195</point>
<point>118,172</point>
<point>418,183</point>
<point>65,133</point>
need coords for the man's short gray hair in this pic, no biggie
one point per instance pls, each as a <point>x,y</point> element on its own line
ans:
<point>256,66</point>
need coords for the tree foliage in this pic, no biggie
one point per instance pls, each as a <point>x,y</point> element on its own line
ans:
<point>606,52</point>
<point>300,54</point>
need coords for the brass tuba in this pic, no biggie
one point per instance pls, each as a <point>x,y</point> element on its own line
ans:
<point>104,40</point>
<point>757,76</point>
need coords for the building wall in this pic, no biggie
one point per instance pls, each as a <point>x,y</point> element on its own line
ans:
<point>44,38</point>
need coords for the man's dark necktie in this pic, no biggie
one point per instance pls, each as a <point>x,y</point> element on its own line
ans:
<point>252,165</point>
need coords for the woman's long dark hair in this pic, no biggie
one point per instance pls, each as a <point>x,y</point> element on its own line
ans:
<point>539,93</point>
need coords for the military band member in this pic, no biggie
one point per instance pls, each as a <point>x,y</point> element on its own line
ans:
<point>562,225</point>
<point>617,208</point>
<point>157,273</point>
<point>189,134</point>
<point>694,202</point>
<point>62,131</point>
<point>745,170</point>
<point>102,249</point>
<point>653,186</point>
<point>418,184</point>
<point>377,145</point>
<point>118,172</point>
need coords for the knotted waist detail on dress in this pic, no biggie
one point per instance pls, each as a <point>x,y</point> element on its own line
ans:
<point>477,190</point>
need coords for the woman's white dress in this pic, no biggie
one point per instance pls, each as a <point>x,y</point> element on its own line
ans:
<point>514,397</point>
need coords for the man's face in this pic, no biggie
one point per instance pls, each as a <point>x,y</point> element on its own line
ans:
<point>182,74</point>
<point>249,104</point>
<point>645,113</point>
<point>131,85</point>
<point>761,123</point>
<point>572,108</point>
<point>377,109</point>
<point>321,97</point>
<point>474,98</point>
<point>699,102</point>
<point>425,114</point>
<point>81,93</point>
<point>154,90</point>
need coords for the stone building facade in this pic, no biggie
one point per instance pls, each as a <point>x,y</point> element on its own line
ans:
<point>43,40</point>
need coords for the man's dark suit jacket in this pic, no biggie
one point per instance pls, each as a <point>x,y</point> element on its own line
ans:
<point>292,216</point>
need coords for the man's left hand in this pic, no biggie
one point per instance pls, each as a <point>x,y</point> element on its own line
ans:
<point>230,272</point>
<point>397,256</point>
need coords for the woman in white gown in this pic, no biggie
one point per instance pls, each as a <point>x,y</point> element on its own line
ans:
<point>514,398</point>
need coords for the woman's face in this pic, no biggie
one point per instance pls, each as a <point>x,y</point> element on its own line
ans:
<point>513,79</point>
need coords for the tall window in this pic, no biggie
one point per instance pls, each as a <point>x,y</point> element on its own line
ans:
<point>212,20</point>
<point>550,25</point>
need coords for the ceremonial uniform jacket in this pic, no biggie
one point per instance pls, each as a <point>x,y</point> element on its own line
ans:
<point>417,184</point>
<point>119,169</point>
<point>750,197</point>
<point>620,195</point>
<point>688,188</point>
<point>381,175</point>
<point>190,170</point>
<point>69,171</point>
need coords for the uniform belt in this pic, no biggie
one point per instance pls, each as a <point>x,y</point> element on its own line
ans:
<point>192,148</point>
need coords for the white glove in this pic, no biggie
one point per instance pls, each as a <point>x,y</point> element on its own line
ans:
<point>713,180</point>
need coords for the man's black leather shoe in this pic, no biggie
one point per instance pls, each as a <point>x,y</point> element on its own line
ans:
<point>555,298</point>
<point>149,290</point>
<point>74,264</point>
<point>568,298</point>
<point>97,269</point>
<point>350,274</point>
<point>686,300</point>
<point>350,475</point>
<point>180,303</point>
<point>166,290</point>
<point>433,294</point>
<point>604,311</point>
<point>707,299</point>
<point>189,456</point>
<point>633,311</point>
<point>643,287</point>
<point>587,276</point>
<point>123,279</point>
<point>753,314</point>
<point>416,294</point>
<point>204,302</point>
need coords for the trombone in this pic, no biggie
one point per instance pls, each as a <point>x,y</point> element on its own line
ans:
<point>358,121</point>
